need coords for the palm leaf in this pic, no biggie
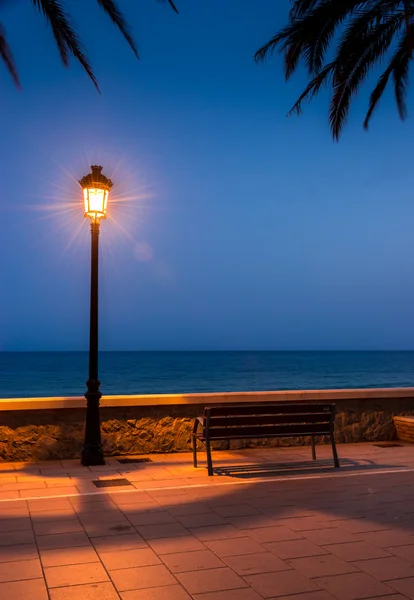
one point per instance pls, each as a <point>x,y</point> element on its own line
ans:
<point>7,57</point>
<point>313,87</point>
<point>172,4</point>
<point>398,67</point>
<point>111,9</point>
<point>66,38</point>
<point>362,53</point>
<point>368,30</point>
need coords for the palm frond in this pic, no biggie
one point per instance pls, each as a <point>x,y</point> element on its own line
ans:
<point>301,7</point>
<point>398,67</point>
<point>172,4</point>
<point>7,57</point>
<point>112,10</point>
<point>66,37</point>
<point>313,87</point>
<point>362,53</point>
<point>309,36</point>
<point>368,30</point>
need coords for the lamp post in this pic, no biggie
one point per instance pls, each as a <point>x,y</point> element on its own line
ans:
<point>96,189</point>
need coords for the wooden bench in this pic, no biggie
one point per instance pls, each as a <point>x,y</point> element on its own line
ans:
<point>275,420</point>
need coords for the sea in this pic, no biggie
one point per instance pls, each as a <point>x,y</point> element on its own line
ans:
<point>38,374</point>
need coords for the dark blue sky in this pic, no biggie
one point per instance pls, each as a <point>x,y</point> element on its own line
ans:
<point>233,227</point>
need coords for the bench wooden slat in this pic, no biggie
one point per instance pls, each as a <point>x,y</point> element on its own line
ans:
<point>269,409</point>
<point>271,431</point>
<point>269,419</point>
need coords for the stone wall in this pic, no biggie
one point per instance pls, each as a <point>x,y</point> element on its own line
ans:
<point>147,425</point>
<point>404,427</point>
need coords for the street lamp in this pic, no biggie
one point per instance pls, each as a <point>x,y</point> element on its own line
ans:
<point>96,189</point>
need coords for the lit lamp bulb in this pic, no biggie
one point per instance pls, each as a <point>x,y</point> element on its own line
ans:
<point>96,189</point>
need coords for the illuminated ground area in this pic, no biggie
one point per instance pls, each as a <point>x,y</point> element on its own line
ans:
<point>269,524</point>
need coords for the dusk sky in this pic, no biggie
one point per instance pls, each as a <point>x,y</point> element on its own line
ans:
<point>231,226</point>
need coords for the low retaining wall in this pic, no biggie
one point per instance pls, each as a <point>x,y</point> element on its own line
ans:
<point>52,428</point>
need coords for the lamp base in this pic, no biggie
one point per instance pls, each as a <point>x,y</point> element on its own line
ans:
<point>92,456</point>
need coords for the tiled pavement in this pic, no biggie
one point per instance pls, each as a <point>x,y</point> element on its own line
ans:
<point>270,524</point>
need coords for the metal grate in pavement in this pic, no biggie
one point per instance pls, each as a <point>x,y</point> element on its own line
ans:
<point>127,461</point>
<point>101,483</point>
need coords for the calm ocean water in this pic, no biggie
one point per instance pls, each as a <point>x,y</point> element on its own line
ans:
<point>30,374</point>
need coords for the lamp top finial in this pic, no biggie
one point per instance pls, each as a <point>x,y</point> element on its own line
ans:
<point>96,179</point>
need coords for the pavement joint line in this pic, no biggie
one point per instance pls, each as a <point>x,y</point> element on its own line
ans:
<point>208,484</point>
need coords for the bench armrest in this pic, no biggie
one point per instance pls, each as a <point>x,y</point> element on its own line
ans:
<point>198,421</point>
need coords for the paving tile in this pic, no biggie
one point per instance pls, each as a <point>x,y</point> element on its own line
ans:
<point>16,511</point>
<point>217,532</point>
<point>27,485</point>
<point>274,534</point>
<point>299,524</point>
<point>203,520</point>
<point>229,548</point>
<point>95,530</point>
<point>139,578</point>
<point>187,508</point>
<point>360,525</point>
<point>151,518</point>
<point>251,521</point>
<point>319,595</point>
<point>385,569</point>
<point>405,552</point>
<point>240,594</point>
<point>330,536</point>
<point>75,575</point>
<point>131,498</point>
<point>63,540</point>
<point>387,539</point>
<point>320,566</point>
<point>15,524</point>
<point>236,510</point>
<point>169,592</point>
<point>105,516</point>
<point>20,570</point>
<point>210,580</point>
<point>126,559</point>
<point>355,586</point>
<point>295,549</point>
<point>49,505</point>
<point>100,506</point>
<point>405,586</point>
<point>13,538</point>
<point>32,589</point>
<point>192,561</point>
<point>283,583</point>
<point>41,493</point>
<point>352,551</point>
<point>152,532</point>
<point>253,564</point>
<point>174,545</point>
<point>68,556</point>
<point>18,552</point>
<point>55,527</point>
<point>119,543</point>
<point>47,516</point>
<point>92,591</point>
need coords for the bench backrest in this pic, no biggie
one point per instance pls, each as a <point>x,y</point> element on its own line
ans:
<point>268,420</point>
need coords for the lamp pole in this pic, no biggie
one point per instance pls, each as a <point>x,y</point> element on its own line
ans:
<point>96,189</point>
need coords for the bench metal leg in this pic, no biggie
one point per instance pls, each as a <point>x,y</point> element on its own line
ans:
<point>194,442</point>
<point>334,452</point>
<point>313,448</point>
<point>209,461</point>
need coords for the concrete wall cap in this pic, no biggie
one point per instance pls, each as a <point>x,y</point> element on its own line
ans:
<point>208,399</point>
